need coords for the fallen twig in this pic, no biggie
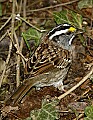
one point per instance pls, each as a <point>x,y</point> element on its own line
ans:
<point>5,23</point>
<point>50,7</point>
<point>7,60</point>
<point>77,85</point>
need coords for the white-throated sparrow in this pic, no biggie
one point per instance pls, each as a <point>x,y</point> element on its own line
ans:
<point>50,62</point>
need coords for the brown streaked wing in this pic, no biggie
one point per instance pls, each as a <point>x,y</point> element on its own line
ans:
<point>47,56</point>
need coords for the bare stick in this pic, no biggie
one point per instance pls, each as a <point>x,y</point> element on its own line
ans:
<point>18,50</point>
<point>58,5</point>
<point>13,34</point>
<point>29,24</point>
<point>23,29</point>
<point>77,85</point>
<point>3,36</point>
<point>5,23</point>
<point>7,60</point>
<point>9,54</point>
<point>18,61</point>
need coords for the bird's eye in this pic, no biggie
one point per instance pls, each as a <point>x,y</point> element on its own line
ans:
<point>68,33</point>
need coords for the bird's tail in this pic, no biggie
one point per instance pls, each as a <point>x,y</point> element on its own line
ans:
<point>21,91</point>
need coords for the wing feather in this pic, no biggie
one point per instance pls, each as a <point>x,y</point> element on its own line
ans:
<point>47,56</point>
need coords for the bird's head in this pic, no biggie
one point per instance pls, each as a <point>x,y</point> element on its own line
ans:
<point>63,35</point>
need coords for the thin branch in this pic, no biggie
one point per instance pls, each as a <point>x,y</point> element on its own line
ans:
<point>20,6</point>
<point>9,53</point>
<point>7,60</point>
<point>29,24</point>
<point>18,50</point>
<point>24,13</point>
<point>3,36</point>
<point>77,85</point>
<point>5,23</point>
<point>19,53</point>
<point>80,116</point>
<point>50,7</point>
<point>23,29</point>
<point>13,19</point>
<point>18,61</point>
<point>12,34</point>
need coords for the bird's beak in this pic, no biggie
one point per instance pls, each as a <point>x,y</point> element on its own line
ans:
<point>79,31</point>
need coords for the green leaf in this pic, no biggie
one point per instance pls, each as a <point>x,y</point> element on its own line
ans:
<point>28,118</point>
<point>61,17</point>
<point>32,34</point>
<point>89,112</point>
<point>67,16</point>
<point>48,111</point>
<point>85,4</point>
<point>86,118</point>
<point>91,78</point>
<point>77,19</point>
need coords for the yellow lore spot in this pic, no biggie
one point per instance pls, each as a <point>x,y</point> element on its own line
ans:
<point>72,29</point>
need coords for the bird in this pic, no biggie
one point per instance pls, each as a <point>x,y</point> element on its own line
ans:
<point>50,62</point>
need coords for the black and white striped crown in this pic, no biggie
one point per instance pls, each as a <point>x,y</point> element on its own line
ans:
<point>61,30</point>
